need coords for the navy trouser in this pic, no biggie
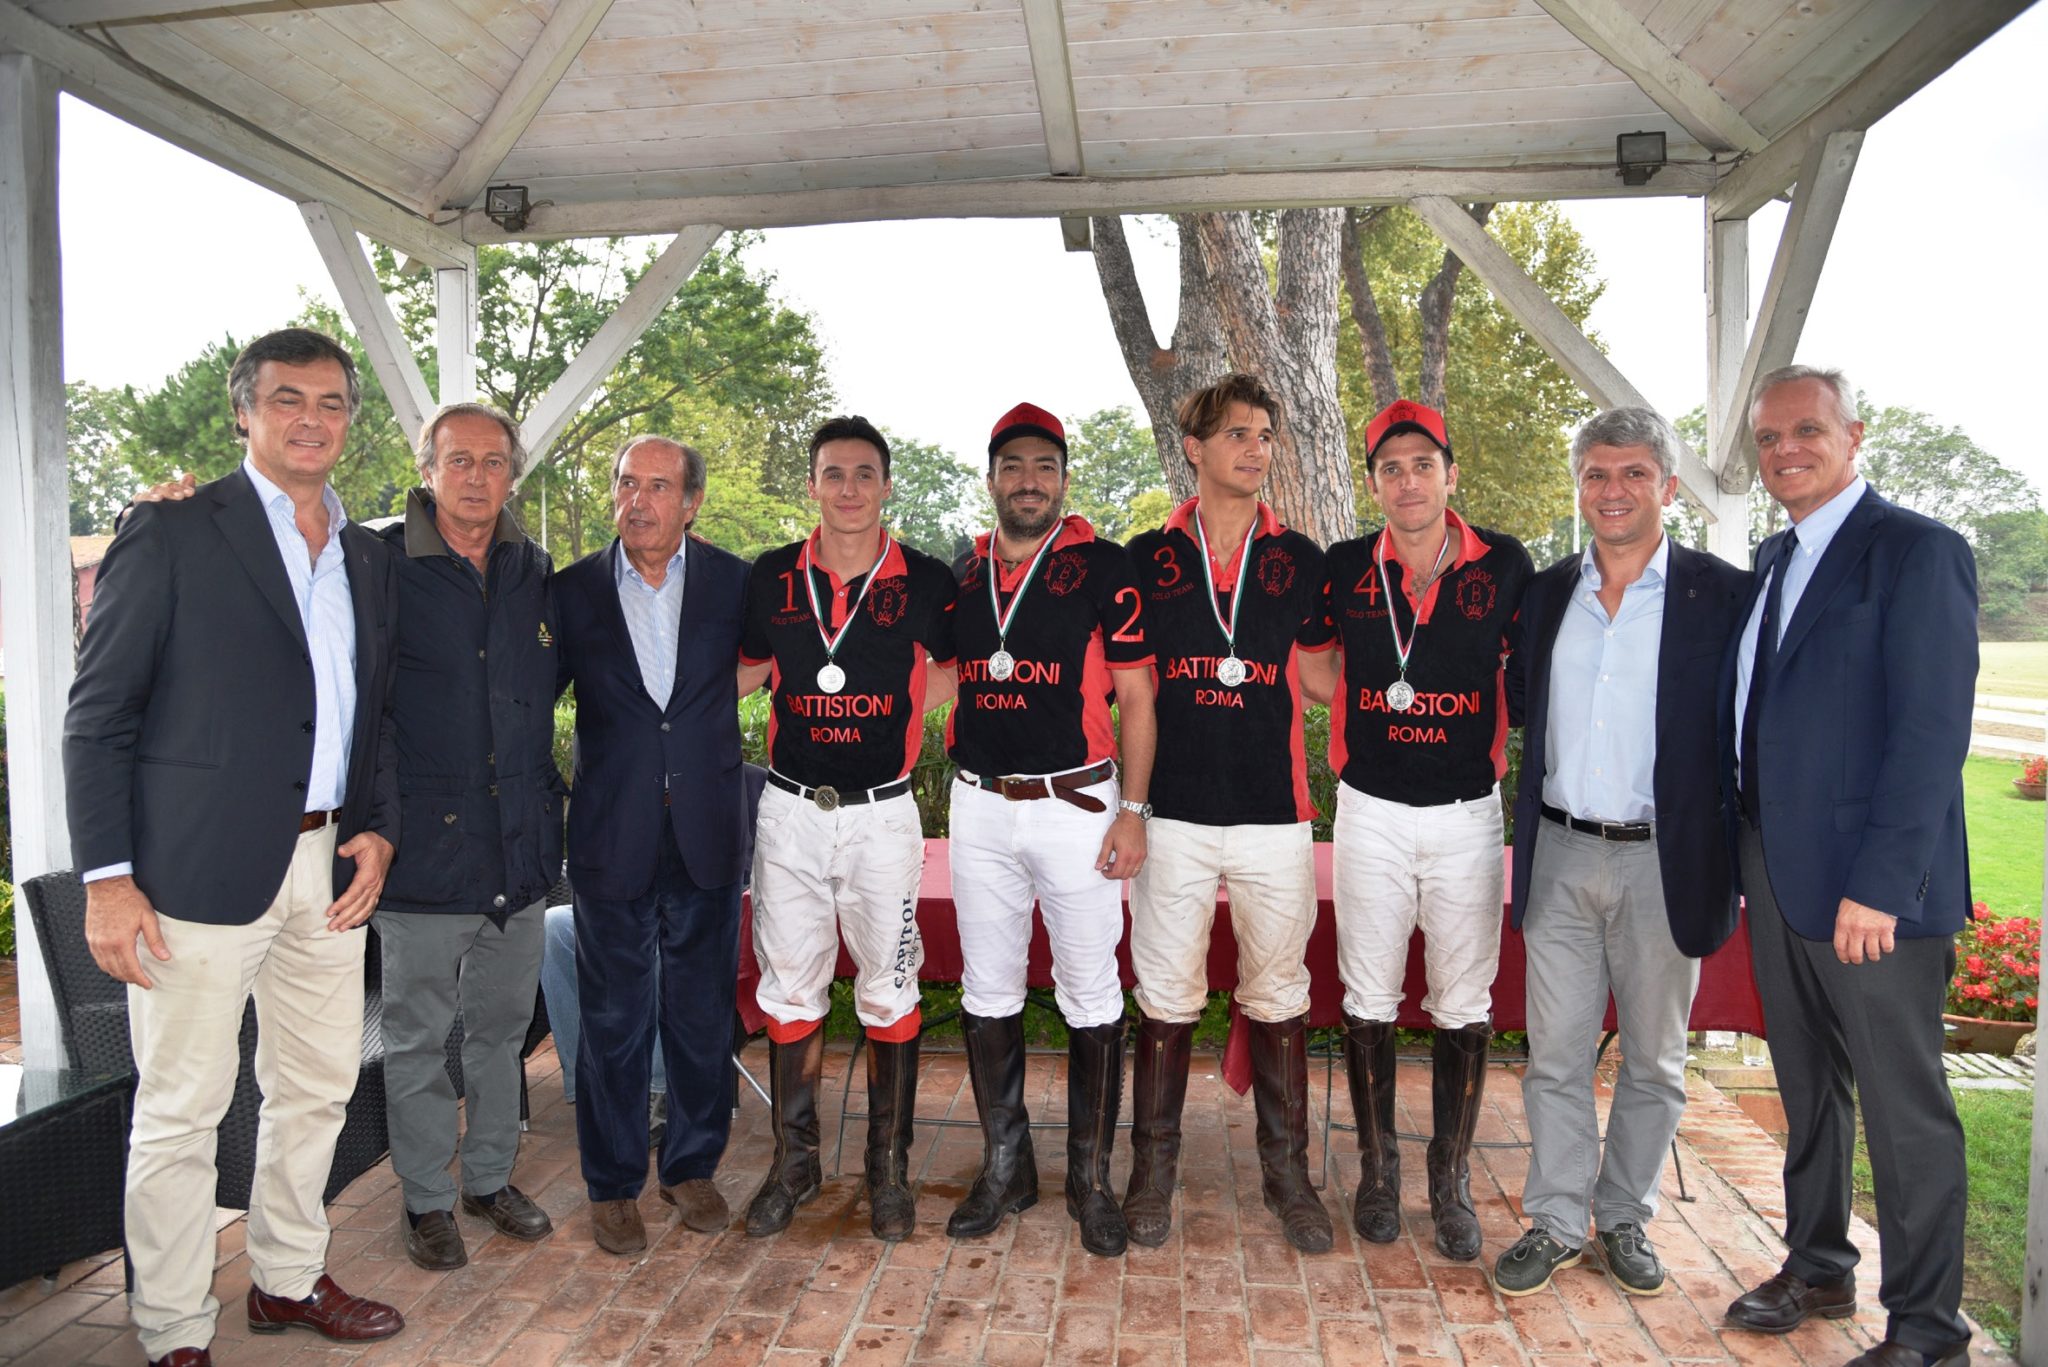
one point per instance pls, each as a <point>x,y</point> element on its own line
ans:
<point>695,934</point>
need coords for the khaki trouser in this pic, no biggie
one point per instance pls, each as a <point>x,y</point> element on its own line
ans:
<point>308,985</point>
<point>1271,872</point>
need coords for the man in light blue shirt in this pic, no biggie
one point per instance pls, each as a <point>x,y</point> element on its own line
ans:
<point>1622,879</point>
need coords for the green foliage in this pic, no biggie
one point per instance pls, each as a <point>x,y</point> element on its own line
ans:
<point>2012,560</point>
<point>100,481</point>
<point>1114,477</point>
<point>1510,409</point>
<point>926,508</point>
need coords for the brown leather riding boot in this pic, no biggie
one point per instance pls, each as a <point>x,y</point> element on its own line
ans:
<point>892,1106</point>
<point>1369,1064</point>
<point>1159,1088</point>
<point>1280,1101</point>
<point>1008,1180</point>
<point>1458,1061</point>
<point>1095,1084</point>
<point>794,1176</point>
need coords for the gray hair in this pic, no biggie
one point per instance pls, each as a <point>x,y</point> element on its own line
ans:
<point>693,464</point>
<point>1832,377</point>
<point>426,455</point>
<point>1628,427</point>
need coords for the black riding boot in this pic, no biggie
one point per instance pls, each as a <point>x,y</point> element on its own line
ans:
<point>794,1176</point>
<point>1008,1180</point>
<point>1095,1078</point>
<point>1458,1060</point>
<point>1280,1101</point>
<point>892,1107</point>
<point>1159,1088</point>
<point>1369,1062</point>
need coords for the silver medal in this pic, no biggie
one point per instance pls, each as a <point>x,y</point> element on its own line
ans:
<point>1230,671</point>
<point>1400,695</point>
<point>1001,665</point>
<point>831,678</point>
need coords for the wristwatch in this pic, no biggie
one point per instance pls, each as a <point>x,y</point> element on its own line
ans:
<point>1143,809</point>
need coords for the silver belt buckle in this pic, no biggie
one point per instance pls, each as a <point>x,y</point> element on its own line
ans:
<point>826,798</point>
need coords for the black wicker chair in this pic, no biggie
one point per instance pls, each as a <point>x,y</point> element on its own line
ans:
<point>94,1011</point>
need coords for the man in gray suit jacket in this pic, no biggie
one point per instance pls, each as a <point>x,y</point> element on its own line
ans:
<point>232,803</point>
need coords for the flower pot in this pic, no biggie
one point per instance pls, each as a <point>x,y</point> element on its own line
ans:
<point>2036,791</point>
<point>1973,1035</point>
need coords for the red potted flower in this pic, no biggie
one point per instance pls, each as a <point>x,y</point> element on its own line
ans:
<point>2033,779</point>
<point>1995,992</point>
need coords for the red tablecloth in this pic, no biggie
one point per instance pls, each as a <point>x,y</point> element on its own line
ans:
<point>1727,997</point>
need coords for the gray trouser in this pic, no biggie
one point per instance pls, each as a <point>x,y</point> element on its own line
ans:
<point>1596,922</point>
<point>435,965</point>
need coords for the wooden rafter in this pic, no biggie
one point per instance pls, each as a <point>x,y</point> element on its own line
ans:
<point>1795,275</point>
<point>107,79</point>
<point>1045,32</point>
<point>542,69</point>
<point>1679,90</point>
<point>455,322</point>
<point>355,280</point>
<point>1557,334</point>
<point>79,13</point>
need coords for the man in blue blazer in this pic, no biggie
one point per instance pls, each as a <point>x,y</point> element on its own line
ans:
<point>648,632</point>
<point>1845,717</point>
<point>1621,869</point>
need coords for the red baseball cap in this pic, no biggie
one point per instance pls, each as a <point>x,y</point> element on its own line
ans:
<point>1028,420</point>
<point>1404,415</point>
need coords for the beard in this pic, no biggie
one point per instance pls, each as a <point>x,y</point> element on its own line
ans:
<point>1024,525</point>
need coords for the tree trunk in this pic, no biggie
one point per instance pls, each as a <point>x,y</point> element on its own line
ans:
<point>1365,311</point>
<point>1162,376</point>
<point>1435,306</point>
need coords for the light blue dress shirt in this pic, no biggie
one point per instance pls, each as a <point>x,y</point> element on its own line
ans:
<point>654,619</point>
<point>1816,534</point>
<point>1601,757</point>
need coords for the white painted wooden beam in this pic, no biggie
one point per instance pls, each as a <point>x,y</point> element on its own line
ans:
<point>1943,36</point>
<point>540,71</point>
<point>1074,234</point>
<point>455,324</point>
<point>643,303</point>
<point>35,543</point>
<point>355,280</point>
<point>1611,30</point>
<point>1554,332</point>
<point>79,13</point>
<point>107,79</point>
<point>1085,196</point>
<point>1727,261</point>
<point>1795,274</point>
<point>1045,33</point>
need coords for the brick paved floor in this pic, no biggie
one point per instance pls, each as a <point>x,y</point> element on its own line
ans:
<point>1225,1290</point>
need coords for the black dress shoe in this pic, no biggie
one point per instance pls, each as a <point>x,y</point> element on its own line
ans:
<point>433,1242</point>
<point>1784,1302</point>
<point>1891,1354</point>
<point>512,1212</point>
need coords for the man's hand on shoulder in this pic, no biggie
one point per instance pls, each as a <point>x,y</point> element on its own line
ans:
<point>1123,847</point>
<point>170,491</point>
<point>372,853</point>
<point>117,913</point>
<point>1862,934</point>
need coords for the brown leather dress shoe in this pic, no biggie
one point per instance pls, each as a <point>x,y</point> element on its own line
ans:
<point>434,1243</point>
<point>618,1226</point>
<point>700,1205</point>
<point>512,1213</point>
<point>1783,1303</point>
<point>1891,1354</point>
<point>185,1357</point>
<point>329,1311</point>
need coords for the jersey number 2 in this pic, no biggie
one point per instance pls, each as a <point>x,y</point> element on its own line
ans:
<point>1129,633</point>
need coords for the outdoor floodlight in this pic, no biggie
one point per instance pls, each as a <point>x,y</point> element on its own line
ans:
<point>1637,157</point>
<point>505,205</point>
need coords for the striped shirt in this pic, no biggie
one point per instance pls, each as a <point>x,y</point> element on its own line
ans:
<point>654,620</point>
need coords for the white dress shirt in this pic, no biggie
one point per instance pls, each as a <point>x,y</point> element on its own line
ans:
<point>654,618</point>
<point>1816,533</point>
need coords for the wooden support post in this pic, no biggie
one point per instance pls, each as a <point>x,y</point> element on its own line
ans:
<point>1554,332</point>
<point>641,306</point>
<point>1727,250</point>
<point>455,322</point>
<point>2034,1287</point>
<point>35,545</point>
<point>1074,234</point>
<point>334,233</point>
<point>1795,275</point>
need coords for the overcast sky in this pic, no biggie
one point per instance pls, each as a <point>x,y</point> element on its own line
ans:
<point>1930,297</point>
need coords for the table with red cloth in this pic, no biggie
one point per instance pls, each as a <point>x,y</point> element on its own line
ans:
<point>1726,1000</point>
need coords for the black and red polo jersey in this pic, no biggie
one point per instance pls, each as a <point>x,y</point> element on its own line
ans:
<point>869,732</point>
<point>1080,617</point>
<point>1230,756</point>
<point>1450,745</point>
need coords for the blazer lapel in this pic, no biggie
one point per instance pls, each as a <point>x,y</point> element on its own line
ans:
<point>688,629</point>
<point>369,605</point>
<point>245,525</point>
<point>1546,617</point>
<point>608,609</point>
<point>1842,555</point>
<point>1680,612</point>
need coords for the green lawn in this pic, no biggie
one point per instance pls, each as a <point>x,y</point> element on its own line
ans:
<point>2017,669</point>
<point>2005,837</point>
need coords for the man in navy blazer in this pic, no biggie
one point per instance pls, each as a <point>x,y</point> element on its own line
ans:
<point>231,784</point>
<point>1621,870</point>
<point>649,632</point>
<point>1845,717</point>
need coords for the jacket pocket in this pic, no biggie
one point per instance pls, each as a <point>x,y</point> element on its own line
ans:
<point>177,763</point>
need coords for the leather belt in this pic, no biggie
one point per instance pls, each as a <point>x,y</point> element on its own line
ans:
<point>313,821</point>
<point>1606,830</point>
<point>831,799</point>
<point>1065,786</point>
